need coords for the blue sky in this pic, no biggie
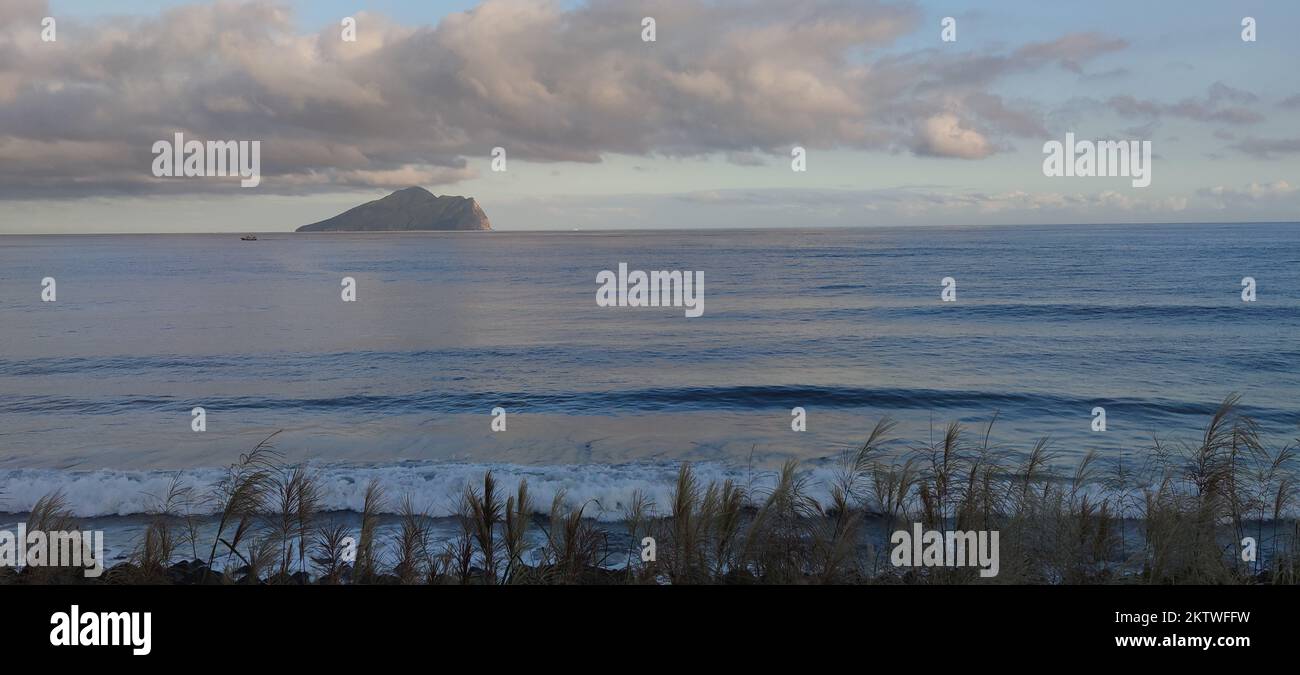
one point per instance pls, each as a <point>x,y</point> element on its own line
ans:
<point>657,145</point>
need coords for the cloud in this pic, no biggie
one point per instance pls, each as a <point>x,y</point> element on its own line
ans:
<point>1112,74</point>
<point>1267,148</point>
<point>943,135</point>
<point>1254,192</point>
<point>1071,51</point>
<point>78,117</point>
<point>1209,109</point>
<point>1222,92</point>
<point>745,159</point>
<point>920,201</point>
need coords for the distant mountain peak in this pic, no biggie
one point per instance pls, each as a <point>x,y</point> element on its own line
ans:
<point>414,189</point>
<point>410,209</point>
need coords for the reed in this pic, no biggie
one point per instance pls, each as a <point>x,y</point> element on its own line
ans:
<point>329,553</point>
<point>519,513</point>
<point>51,514</point>
<point>162,538</point>
<point>485,511</point>
<point>241,497</point>
<point>575,550</point>
<point>412,562</point>
<point>1177,517</point>
<point>367,553</point>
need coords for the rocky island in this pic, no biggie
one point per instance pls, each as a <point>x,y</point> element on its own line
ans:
<point>410,210</point>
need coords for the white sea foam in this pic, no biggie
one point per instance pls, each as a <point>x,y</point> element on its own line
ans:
<point>605,490</point>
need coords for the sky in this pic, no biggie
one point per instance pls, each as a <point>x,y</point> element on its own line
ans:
<point>602,129</point>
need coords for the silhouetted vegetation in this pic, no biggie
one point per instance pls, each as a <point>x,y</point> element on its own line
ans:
<point>1179,517</point>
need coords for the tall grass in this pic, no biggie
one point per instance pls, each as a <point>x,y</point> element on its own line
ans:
<point>367,552</point>
<point>1177,515</point>
<point>171,526</point>
<point>241,498</point>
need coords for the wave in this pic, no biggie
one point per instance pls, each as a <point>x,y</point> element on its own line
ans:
<point>994,312</point>
<point>434,488</point>
<point>664,399</point>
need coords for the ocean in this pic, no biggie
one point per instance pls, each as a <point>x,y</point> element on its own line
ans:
<point>97,388</point>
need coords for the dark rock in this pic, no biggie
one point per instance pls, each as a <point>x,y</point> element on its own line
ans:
<point>410,210</point>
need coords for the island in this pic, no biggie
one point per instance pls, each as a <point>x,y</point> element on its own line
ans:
<point>409,210</point>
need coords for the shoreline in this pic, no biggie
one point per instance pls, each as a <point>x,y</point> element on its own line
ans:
<point>1185,517</point>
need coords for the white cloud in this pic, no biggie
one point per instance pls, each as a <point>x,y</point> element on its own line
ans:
<point>728,78</point>
<point>945,135</point>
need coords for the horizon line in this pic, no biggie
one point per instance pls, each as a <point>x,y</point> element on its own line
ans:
<point>669,229</point>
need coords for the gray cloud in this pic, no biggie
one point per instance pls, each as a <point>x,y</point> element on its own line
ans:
<point>745,158</point>
<point>1210,109</point>
<point>1222,92</point>
<point>1267,148</point>
<point>408,105</point>
<point>1112,74</point>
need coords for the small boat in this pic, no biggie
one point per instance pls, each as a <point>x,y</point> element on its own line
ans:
<point>248,237</point>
